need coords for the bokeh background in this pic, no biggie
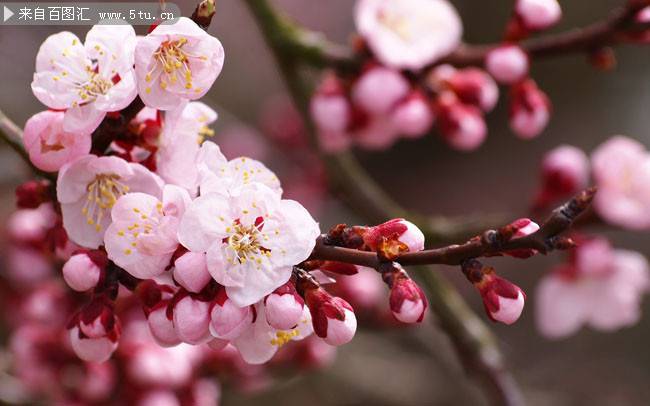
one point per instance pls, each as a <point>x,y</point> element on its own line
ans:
<point>416,366</point>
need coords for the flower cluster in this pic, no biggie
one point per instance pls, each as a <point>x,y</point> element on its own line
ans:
<point>208,245</point>
<point>403,90</point>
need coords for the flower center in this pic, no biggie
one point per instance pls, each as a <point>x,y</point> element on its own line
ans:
<point>174,61</point>
<point>244,243</point>
<point>283,337</point>
<point>396,23</point>
<point>95,86</point>
<point>103,192</point>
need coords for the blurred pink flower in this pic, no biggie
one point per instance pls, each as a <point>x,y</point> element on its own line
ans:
<point>408,34</point>
<point>538,14</point>
<point>565,171</point>
<point>601,288</point>
<point>507,63</point>
<point>621,169</point>
<point>530,109</point>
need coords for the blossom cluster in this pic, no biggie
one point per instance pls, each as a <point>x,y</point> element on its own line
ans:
<point>208,245</point>
<point>404,88</point>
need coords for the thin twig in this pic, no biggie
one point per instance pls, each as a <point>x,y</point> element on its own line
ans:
<point>490,243</point>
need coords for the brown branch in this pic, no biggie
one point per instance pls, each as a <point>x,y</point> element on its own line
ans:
<point>312,49</point>
<point>490,243</point>
<point>597,35</point>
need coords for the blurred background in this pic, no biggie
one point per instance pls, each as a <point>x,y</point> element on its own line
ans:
<point>417,366</point>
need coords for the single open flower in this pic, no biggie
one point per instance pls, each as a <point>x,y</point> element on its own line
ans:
<point>89,187</point>
<point>86,80</point>
<point>176,62</point>
<point>142,237</point>
<point>252,239</point>
<point>408,34</point>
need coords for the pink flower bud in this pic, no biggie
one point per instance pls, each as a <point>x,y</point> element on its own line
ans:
<point>32,194</point>
<point>284,307</point>
<point>507,64</point>
<point>503,300</point>
<point>329,107</point>
<point>538,14</point>
<point>161,326</point>
<point>379,89</point>
<point>332,317</point>
<point>474,86</point>
<point>191,319</point>
<point>565,171</point>
<point>159,397</point>
<point>191,271</point>
<point>523,227</point>
<point>82,271</point>
<point>91,349</point>
<point>399,230</point>
<point>530,109</point>
<point>407,301</point>
<point>227,320</point>
<point>412,117</point>
<point>462,126</point>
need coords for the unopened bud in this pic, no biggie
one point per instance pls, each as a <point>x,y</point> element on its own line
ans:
<point>379,89</point>
<point>538,14</point>
<point>191,271</point>
<point>507,64</point>
<point>412,117</point>
<point>191,319</point>
<point>462,126</point>
<point>284,307</point>
<point>332,317</point>
<point>475,87</point>
<point>407,300</point>
<point>83,270</point>
<point>530,109</point>
<point>227,320</point>
<point>565,171</point>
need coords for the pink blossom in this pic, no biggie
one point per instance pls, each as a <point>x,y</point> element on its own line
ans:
<point>407,300</point>
<point>252,239</point>
<point>621,169</point>
<point>507,63</point>
<point>408,34</point>
<point>191,319</point>
<point>159,397</point>
<point>363,290</point>
<point>191,271</point>
<point>530,109</point>
<point>602,288</point>
<point>522,227</point>
<point>142,237</point>
<point>474,87</point>
<point>379,89</point>
<point>378,133</point>
<point>89,187</point>
<point>284,307</point>
<point>27,266</point>
<point>412,117</point>
<point>503,300</point>
<point>220,176</point>
<point>538,14</point>
<point>176,62</point>
<point>565,171</point>
<point>87,80</point>
<point>48,145</point>
<point>332,317</point>
<point>400,230</point>
<point>31,225</point>
<point>95,331</point>
<point>227,320</point>
<point>259,342</point>
<point>329,107</point>
<point>83,270</point>
<point>161,326</point>
<point>181,135</point>
<point>462,126</point>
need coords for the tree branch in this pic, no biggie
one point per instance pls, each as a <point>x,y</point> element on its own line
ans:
<point>490,243</point>
<point>315,50</point>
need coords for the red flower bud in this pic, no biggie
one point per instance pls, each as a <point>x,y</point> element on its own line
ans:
<point>332,317</point>
<point>32,194</point>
